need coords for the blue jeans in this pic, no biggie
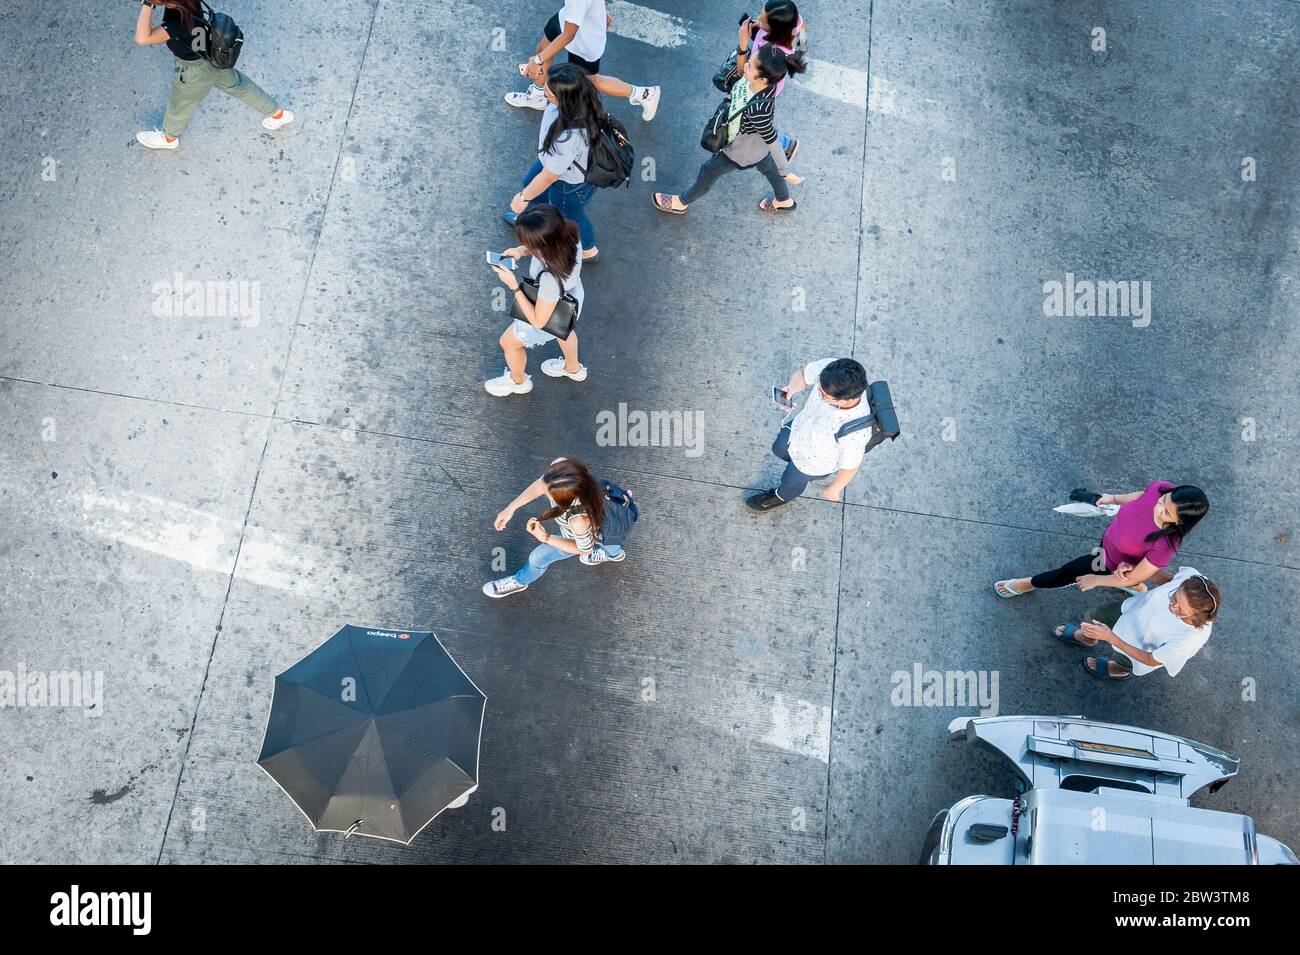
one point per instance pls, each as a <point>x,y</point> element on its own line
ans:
<point>793,481</point>
<point>544,555</point>
<point>571,200</point>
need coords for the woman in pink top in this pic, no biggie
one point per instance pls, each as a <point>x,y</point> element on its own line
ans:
<point>780,25</point>
<point>1142,538</point>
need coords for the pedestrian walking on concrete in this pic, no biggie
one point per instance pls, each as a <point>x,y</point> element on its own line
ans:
<point>579,29</point>
<point>556,276</point>
<point>1164,627</point>
<point>828,436</point>
<point>570,123</point>
<point>1142,538</point>
<point>589,513</point>
<point>751,139</point>
<point>779,24</point>
<point>184,29</point>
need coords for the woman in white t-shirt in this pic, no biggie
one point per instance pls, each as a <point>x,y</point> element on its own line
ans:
<point>552,241</point>
<point>579,29</point>
<point>1164,627</point>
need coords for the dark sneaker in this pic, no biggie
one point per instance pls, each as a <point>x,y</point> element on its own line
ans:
<point>764,501</point>
<point>503,587</point>
<point>601,556</point>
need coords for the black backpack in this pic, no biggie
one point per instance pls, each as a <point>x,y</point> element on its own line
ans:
<point>611,157</point>
<point>882,419</point>
<point>224,40</point>
<point>620,514</point>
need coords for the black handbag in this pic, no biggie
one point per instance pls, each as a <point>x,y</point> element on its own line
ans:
<point>714,137</point>
<point>564,315</point>
<point>722,79</point>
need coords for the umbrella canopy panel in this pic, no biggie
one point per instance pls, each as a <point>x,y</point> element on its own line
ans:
<point>376,726</point>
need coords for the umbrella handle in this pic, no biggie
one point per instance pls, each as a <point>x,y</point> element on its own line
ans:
<point>347,833</point>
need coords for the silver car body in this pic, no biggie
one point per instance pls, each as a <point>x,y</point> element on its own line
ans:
<point>1096,794</point>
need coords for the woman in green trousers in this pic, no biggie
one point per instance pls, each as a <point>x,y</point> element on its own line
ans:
<point>183,30</point>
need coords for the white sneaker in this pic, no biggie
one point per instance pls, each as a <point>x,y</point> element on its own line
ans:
<point>554,368</point>
<point>272,124</point>
<point>156,139</point>
<point>504,587</point>
<point>602,556</point>
<point>533,98</point>
<point>648,101</point>
<point>505,385</point>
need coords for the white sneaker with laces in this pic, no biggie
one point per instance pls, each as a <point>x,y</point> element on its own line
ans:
<point>496,589</point>
<point>602,556</point>
<point>554,368</point>
<point>505,385</point>
<point>648,100</point>
<point>156,139</point>
<point>271,124</point>
<point>532,98</point>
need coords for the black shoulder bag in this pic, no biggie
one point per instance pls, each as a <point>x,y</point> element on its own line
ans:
<point>565,314</point>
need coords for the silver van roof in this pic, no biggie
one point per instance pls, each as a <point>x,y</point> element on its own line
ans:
<point>1075,753</point>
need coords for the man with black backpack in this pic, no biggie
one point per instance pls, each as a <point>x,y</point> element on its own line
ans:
<point>206,45</point>
<point>842,419</point>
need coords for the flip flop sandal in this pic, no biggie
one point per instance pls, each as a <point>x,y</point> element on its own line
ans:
<point>1068,637</point>
<point>1003,589</point>
<point>655,197</point>
<point>769,205</point>
<point>1103,668</point>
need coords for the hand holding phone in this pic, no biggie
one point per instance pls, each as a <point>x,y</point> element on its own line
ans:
<point>781,398</point>
<point>500,261</point>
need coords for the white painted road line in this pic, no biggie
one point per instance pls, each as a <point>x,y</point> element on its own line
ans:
<point>648,26</point>
<point>800,727</point>
<point>840,83</point>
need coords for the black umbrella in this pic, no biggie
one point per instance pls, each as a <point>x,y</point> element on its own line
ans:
<point>374,732</point>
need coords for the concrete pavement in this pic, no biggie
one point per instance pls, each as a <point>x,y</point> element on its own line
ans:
<point>191,503</point>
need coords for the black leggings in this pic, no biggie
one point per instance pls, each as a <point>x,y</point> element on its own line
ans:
<point>1064,575</point>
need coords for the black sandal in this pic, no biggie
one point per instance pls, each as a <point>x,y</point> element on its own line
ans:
<point>769,205</point>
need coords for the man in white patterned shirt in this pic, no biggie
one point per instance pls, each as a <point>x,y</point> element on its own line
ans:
<point>828,436</point>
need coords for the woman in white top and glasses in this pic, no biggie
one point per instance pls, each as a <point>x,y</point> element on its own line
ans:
<point>1164,627</point>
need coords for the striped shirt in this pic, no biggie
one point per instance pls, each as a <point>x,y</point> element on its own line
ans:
<point>758,116</point>
<point>585,540</point>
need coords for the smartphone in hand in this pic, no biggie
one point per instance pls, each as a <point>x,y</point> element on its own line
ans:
<point>781,399</point>
<point>501,261</point>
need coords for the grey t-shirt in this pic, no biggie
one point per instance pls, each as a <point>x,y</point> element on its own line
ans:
<point>567,152</point>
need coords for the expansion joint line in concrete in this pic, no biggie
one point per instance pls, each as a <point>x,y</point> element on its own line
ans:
<point>853,347</point>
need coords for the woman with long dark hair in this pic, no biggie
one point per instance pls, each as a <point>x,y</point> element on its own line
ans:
<point>779,24</point>
<point>1164,627</point>
<point>577,505</point>
<point>751,137</point>
<point>570,123</point>
<point>552,241</point>
<point>1142,539</point>
<point>184,30</point>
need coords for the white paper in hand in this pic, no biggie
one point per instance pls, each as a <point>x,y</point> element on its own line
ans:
<point>1080,509</point>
